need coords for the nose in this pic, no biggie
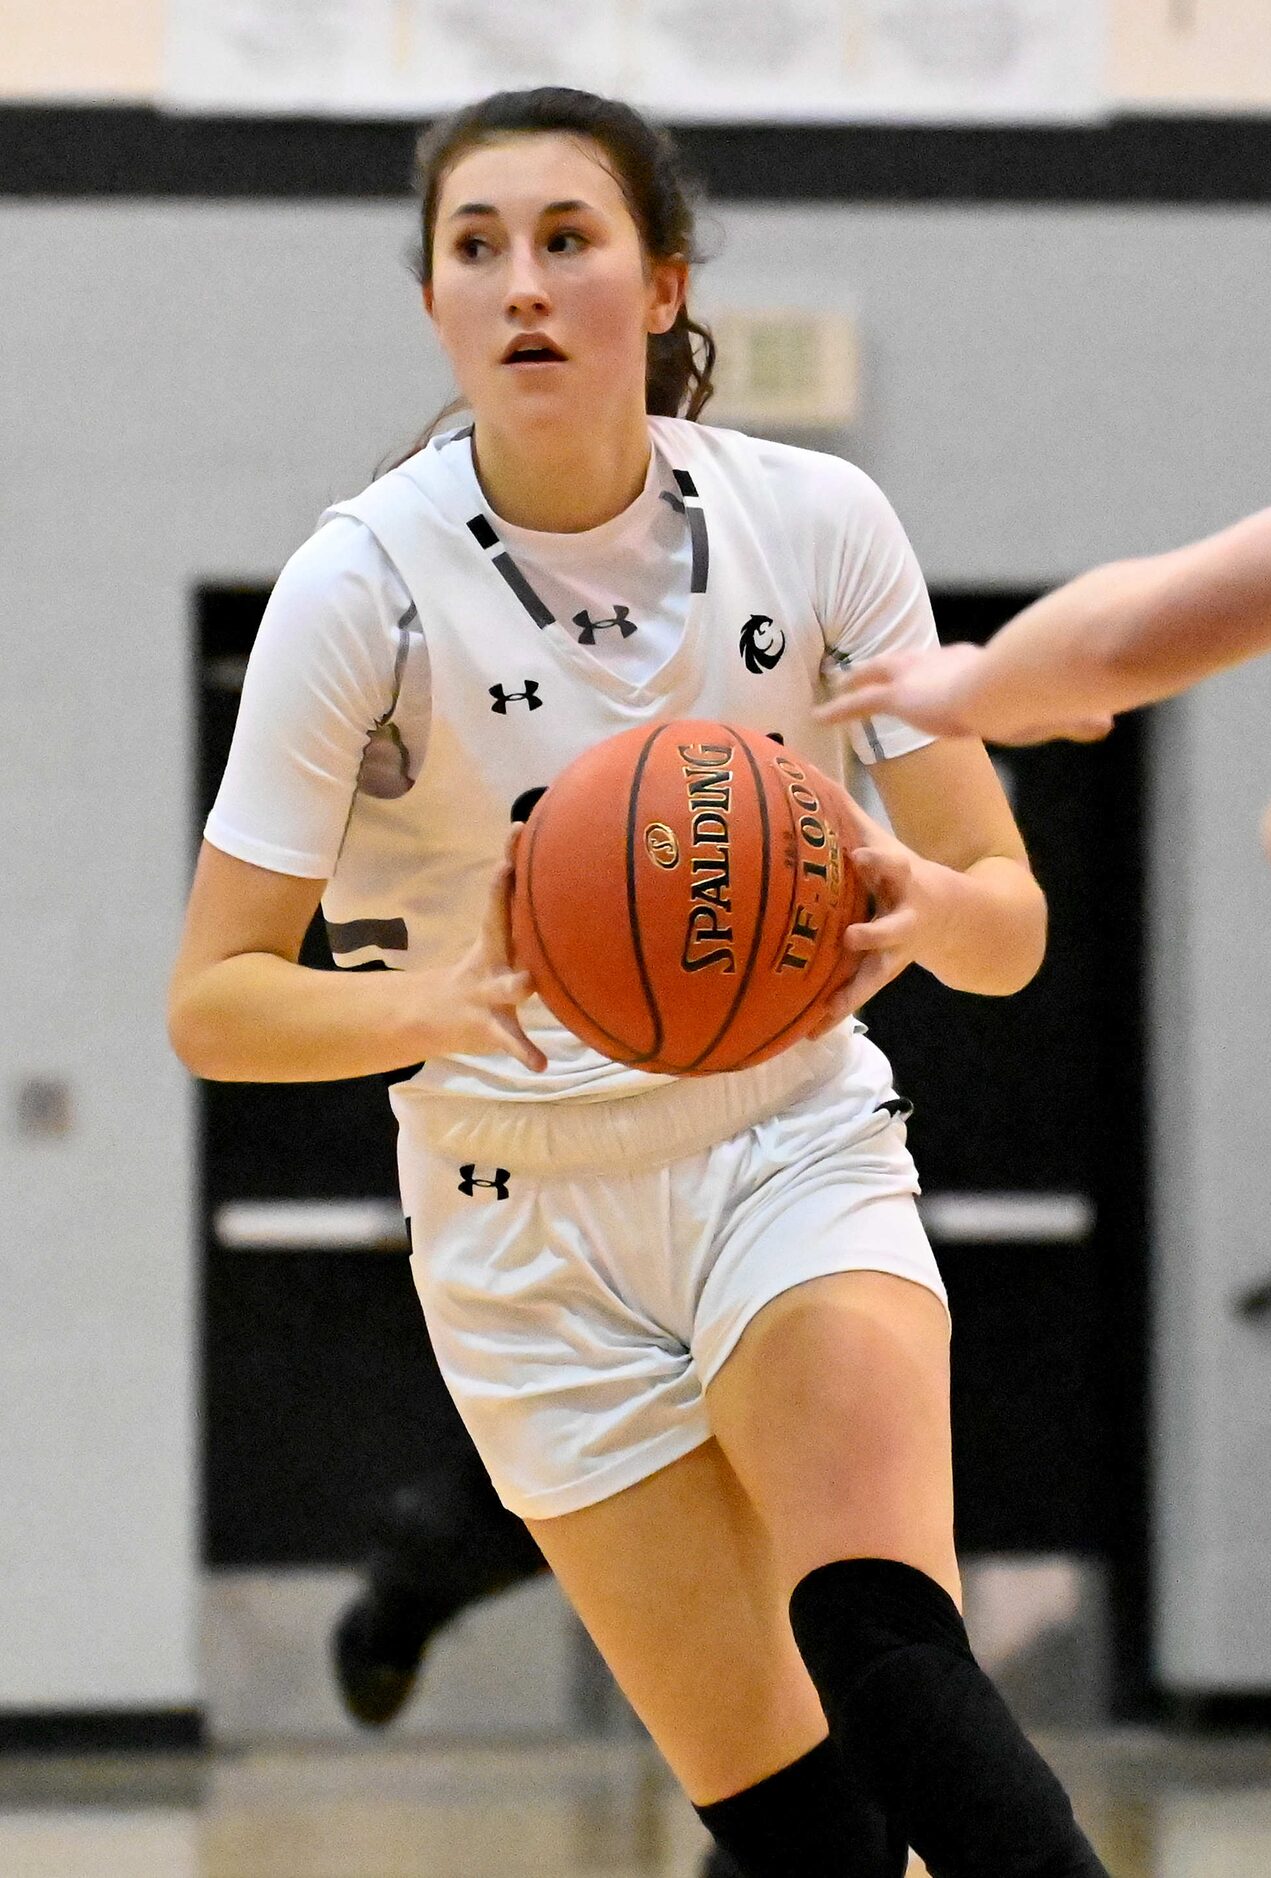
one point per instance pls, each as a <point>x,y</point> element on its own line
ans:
<point>527,293</point>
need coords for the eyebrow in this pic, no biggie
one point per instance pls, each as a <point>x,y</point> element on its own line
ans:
<point>488,208</point>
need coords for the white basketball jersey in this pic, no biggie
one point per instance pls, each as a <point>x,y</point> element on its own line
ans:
<point>508,695</point>
<point>491,695</point>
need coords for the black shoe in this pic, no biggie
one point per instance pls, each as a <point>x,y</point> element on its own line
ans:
<point>378,1646</point>
<point>441,1546</point>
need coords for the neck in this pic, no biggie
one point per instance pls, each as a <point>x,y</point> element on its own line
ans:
<point>562,484</point>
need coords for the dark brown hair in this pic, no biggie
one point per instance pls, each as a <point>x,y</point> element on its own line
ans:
<point>646,165</point>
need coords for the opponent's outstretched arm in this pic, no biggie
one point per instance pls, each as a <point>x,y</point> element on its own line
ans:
<point>1123,635</point>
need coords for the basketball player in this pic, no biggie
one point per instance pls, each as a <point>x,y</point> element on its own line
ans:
<point>693,1326</point>
<point>1123,635</point>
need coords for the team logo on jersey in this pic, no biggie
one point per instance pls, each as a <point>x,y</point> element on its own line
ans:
<point>470,1180</point>
<point>589,627</point>
<point>660,843</point>
<point>758,650</point>
<point>529,697</point>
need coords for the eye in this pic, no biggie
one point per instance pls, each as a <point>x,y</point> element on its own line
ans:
<point>469,247</point>
<point>572,236</point>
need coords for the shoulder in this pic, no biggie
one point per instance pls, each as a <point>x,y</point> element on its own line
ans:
<point>342,574</point>
<point>809,483</point>
<point>828,489</point>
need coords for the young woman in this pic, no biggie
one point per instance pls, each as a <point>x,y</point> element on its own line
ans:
<point>694,1327</point>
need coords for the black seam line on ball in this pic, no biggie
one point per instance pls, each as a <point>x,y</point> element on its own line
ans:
<point>813,996</point>
<point>532,835</point>
<point>765,870</point>
<point>633,922</point>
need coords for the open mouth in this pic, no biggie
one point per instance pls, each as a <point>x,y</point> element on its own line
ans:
<point>533,349</point>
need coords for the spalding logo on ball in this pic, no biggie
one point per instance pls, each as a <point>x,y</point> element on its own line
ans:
<point>681,895</point>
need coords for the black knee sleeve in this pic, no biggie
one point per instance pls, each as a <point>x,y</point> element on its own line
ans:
<point>934,1742</point>
<point>809,1820</point>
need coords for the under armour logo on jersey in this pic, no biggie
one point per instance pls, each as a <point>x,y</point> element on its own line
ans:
<point>471,1181</point>
<point>529,697</point>
<point>589,627</point>
<point>757,647</point>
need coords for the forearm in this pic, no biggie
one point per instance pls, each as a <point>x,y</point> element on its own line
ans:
<point>1078,652</point>
<point>1133,632</point>
<point>991,936</point>
<point>256,1017</point>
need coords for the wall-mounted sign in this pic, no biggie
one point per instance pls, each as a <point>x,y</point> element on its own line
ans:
<point>793,60</point>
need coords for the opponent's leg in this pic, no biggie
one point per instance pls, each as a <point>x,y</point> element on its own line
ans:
<point>442,1545</point>
<point>833,1410</point>
<point>675,1580</point>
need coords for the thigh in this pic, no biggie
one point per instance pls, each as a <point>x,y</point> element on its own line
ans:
<point>675,1581</point>
<point>833,1411</point>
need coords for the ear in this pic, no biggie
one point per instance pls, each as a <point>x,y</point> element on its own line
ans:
<point>668,284</point>
<point>427,292</point>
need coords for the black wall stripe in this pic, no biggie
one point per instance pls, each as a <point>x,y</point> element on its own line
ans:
<point>66,150</point>
<point>99,1731</point>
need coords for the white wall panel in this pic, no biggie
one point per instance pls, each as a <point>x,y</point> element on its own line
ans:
<point>183,387</point>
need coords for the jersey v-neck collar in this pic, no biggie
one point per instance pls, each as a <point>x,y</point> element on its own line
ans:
<point>496,538</point>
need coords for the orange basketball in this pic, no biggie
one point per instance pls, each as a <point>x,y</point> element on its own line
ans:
<point>681,893</point>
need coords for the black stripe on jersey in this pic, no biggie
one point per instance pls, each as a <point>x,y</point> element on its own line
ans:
<point>538,609</point>
<point>350,935</point>
<point>483,534</point>
<point>695,515</point>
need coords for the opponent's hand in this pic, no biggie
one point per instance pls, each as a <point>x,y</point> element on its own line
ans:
<point>935,691</point>
<point>478,996</point>
<point>909,912</point>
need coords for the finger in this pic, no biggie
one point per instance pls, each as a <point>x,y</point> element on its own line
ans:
<point>882,869</point>
<point>506,989</point>
<point>496,921</point>
<point>885,931</point>
<point>882,669</point>
<point>876,970</point>
<point>856,699</point>
<point>511,1037</point>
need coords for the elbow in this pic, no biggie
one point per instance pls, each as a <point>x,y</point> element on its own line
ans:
<point>188,1034</point>
<point>1029,952</point>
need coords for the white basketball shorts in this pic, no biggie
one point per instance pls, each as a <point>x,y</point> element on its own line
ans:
<point>583,1285</point>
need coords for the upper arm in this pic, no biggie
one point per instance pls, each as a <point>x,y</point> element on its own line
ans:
<point>323,673</point>
<point>873,596</point>
<point>236,907</point>
<point>946,803</point>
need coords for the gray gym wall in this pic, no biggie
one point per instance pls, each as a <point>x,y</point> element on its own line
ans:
<point>183,388</point>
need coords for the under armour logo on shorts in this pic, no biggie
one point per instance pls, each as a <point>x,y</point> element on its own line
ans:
<point>589,627</point>
<point>471,1181</point>
<point>529,696</point>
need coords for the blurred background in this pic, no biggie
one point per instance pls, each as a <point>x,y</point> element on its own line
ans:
<point>1014,258</point>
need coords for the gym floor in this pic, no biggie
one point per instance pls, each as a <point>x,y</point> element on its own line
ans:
<point>1156,1807</point>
